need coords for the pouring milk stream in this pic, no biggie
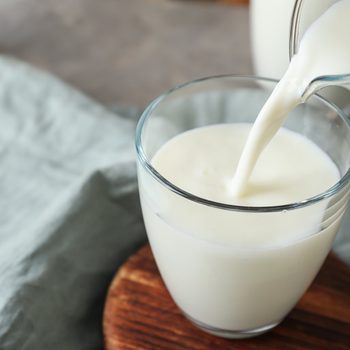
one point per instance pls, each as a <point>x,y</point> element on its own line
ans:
<point>324,50</point>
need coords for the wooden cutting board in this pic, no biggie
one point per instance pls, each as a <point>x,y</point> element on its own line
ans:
<point>140,314</point>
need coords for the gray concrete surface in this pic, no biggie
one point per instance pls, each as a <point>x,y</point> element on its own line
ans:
<point>126,51</point>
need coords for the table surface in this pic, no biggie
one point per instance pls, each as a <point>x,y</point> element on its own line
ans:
<point>127,52</point>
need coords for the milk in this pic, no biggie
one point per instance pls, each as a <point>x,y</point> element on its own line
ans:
<point>285,173</point>
<point>237,270</point>
<point>197,162</point>
<point>323,51</point>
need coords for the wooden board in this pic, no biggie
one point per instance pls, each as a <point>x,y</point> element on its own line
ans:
<point>140,314</point>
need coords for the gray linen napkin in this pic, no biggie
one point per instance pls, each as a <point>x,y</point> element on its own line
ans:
<point>69,210</point>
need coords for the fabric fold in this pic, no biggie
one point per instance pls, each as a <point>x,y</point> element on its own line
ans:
<point>69,210</point>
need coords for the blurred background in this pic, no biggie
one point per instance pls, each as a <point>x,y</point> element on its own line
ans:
<point>127,52</point>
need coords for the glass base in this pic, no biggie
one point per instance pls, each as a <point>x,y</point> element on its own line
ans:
<point>232,334</point>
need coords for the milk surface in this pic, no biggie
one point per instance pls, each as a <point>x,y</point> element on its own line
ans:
<point>202,161</point>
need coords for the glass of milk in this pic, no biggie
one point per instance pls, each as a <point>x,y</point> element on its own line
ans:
<point>236,271</point>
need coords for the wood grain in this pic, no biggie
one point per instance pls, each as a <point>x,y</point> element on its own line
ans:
<point>140,314</point>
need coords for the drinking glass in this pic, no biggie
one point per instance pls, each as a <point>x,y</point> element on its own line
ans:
<point>222,287</point>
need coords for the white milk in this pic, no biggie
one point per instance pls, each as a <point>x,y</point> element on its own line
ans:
<point>324,50</point>
<point>239,270</point>
<point>197,162</point>
<point>236,270</point>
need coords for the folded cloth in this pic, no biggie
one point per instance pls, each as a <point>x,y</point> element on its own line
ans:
<point>69,210</point>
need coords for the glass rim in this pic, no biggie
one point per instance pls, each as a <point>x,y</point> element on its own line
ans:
<point>146,163</point>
